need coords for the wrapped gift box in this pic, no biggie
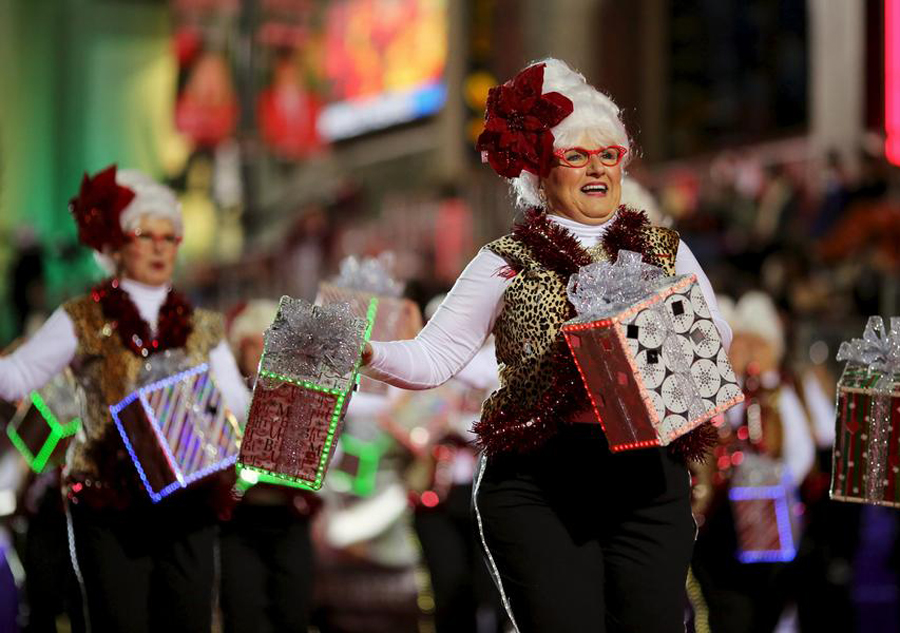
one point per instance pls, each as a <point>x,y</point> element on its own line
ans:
<point>763,505</point>
<point>177,430</point>
<point>395,319</point>
<point>652,363</point>
<point>42,426</point>
<point>866,457</point>
<point>307,373</point>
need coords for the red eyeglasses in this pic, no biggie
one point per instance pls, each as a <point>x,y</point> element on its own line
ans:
<point>577,157</point>
<point>148,239</point>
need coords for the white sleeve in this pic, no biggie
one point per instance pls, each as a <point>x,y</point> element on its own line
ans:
<point>687,264</point>
<point>229,380</point>
<point>482,371</point>
<point>798,448</point>
<point>452,336</point>
<point>40,358</point>
<point>821,409</point>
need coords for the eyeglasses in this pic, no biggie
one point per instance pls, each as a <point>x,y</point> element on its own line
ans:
<point>149,239</point>
<point>579,156</point>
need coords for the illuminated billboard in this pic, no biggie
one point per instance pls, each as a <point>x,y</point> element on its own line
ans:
<point>383,64</point>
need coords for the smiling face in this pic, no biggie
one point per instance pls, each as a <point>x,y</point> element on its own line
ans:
<point>149,255</point>
<point>588,194</point>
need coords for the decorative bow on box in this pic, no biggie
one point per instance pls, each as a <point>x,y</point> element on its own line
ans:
<point>307,341</point>
<point>369,274</point>
<point>603,289</point>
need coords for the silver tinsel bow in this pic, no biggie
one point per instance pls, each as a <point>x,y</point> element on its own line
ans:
<point>307,341</point>
<point>879,352</point>
<point>605,286</point>
<point>604,289</point>
<point>370,274</point>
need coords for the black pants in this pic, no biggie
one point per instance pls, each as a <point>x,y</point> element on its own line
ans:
<point>461,584</point>
<point>50,586</point>
<point>266,570</point>
<point>589,541</point>
<point>147,569</point>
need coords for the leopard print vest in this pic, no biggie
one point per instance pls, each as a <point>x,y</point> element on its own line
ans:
<point>530,350</point>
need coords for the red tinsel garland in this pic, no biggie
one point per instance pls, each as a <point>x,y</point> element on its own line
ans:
<point>628,232</point>
<point>551,244</point>
<point>174,324</point>
<point>520,428</point>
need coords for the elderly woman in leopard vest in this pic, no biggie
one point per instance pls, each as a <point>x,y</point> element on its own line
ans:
<point>577,538</point>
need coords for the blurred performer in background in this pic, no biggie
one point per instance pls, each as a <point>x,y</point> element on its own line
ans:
<point>463,596</point>
<point>266,552</point>
<point>750,597</point>
<point>577,538</point>
<point>143,567</point>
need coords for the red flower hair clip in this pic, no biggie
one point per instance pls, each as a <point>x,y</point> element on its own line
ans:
<point>97,209</point>
<point>517,124</point>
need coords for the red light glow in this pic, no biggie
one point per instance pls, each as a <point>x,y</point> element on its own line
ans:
<point>429,499</point>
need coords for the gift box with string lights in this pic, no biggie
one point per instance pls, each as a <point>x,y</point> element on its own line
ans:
<point>44,423</point>
<point>358,284</point>
<point>764,509</point>
<point>866,457</point>
<point>307,373</point>
<point>177,430</point>
<point>648,352</point>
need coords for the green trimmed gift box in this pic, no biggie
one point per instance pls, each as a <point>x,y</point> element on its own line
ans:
<point>308,371</point>
<point>43,424</point>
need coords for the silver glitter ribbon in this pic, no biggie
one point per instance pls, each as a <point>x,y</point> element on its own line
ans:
<point>602,290</point>
<point>605,287</point>
<point>320,344</point>
<point>877,353</point>
<point>369,274</point>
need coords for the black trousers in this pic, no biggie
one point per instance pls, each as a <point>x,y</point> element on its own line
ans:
<point>585,540</point>
<point>50,586</point>
<point>149,568</point>
<point>267,570</point>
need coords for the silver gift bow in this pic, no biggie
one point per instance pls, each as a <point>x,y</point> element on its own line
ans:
<point>370,274</point>
<point>878,352</point>
<point>603,289</point>
<point>611,287</point>
<point>306,342</point>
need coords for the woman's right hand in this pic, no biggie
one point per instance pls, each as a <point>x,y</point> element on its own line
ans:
<point>366,355</point>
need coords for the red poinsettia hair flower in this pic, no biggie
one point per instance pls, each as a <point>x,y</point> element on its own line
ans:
<point>517,124</point>
<point>97,209</point>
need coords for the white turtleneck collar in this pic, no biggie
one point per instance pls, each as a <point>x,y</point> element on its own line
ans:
<point>587,234</point>
<point>148,299</point>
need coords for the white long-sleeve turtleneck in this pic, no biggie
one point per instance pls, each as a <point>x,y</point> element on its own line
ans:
<point>456,332</point>
<point>53,347</point>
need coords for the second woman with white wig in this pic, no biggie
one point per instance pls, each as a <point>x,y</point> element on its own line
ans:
<point>577,538</point>
<point>143,567</point>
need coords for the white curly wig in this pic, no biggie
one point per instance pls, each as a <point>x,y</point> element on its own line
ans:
<point>151,199</point>
<point>594,115</point>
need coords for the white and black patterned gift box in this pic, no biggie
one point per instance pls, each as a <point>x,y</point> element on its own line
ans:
<point>656,369</point>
